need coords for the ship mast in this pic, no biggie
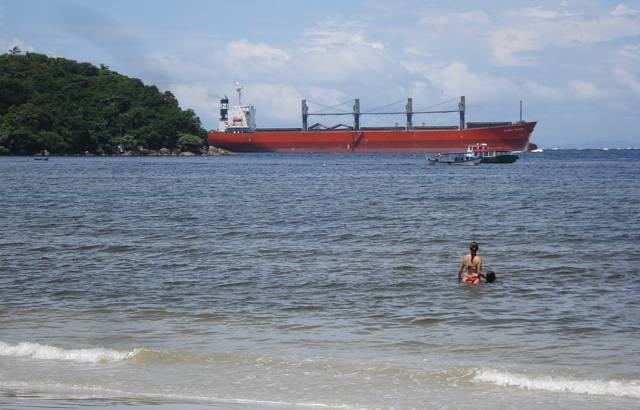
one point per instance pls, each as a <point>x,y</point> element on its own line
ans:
<point>521,111</point>
<point>239,91</point>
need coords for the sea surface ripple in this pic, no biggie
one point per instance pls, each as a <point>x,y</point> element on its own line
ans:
<point>334,272</point>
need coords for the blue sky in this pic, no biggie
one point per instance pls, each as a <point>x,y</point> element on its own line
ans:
<point>575,64</point>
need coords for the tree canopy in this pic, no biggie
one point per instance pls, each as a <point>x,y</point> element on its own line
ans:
<point>68,107</point>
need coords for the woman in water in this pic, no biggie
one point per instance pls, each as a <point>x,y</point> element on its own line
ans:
<point>471,266</point>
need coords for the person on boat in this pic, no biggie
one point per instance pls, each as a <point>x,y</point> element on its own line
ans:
<point>471,266</point>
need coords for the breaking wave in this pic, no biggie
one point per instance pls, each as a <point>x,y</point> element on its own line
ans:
<point>627,388</point>
<point>46,352</point>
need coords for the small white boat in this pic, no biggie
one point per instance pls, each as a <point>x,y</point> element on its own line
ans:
<point>454,158</point>
<point>42,155</point>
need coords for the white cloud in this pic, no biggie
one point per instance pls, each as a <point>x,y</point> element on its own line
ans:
<point>247,61</point>
<point>325,96</point>
<point>585,90</point>
<point>623,10</point>
<point>539,12</point>
<point>329,53</point>
<point>630,51</point>
<point>419,89</point>
<point>509,43</point>
<point>333,53</point>
<point>625,71</point>
<point>279,101</point>
<point>244,50</point>
<point>627,79</point>
<point>464,18</point>
<point>332,34</point>
<point>184,69</point>
<point>198,98</point>
<point>594,31</point>
<point>417,52</point>
<point>457,79</point>
<point>542,91</point>
<point>344,64</point>
<point>415,68</point>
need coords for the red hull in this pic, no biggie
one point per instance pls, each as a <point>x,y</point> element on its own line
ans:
<point>513,137</point>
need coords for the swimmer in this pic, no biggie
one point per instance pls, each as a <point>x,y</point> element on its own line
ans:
<point>471,266</point>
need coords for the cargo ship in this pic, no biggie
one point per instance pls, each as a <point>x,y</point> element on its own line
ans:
<point>237,132</point>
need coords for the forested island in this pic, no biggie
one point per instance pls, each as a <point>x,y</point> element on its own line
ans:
<point>64,107</point>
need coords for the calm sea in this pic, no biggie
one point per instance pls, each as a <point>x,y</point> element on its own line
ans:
<point>319,281</point>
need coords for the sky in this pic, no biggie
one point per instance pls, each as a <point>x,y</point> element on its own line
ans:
<point>574,64</point>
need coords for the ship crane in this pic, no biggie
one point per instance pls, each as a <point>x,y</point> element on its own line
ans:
<point>408,112</point>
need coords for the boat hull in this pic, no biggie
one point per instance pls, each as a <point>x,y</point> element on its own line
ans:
<point>500,159</point>
<point>513,137</point>
<point>464,162</point>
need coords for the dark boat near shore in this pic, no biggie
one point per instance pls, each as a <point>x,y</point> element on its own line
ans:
<point>490,155</point>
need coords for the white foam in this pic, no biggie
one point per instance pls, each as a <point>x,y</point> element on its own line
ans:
<point>78,392</point>
<point>46,352</point>
<point>627,388</point>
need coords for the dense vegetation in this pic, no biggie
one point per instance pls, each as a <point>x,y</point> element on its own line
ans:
<point>68,107</point>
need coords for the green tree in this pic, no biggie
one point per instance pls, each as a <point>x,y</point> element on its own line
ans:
<point>189,142</point>
<point>12,92</point>
<point>72,107</point>
<point>126,142</point>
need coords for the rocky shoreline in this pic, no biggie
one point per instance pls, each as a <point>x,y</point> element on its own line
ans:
<point>142,152</point>
<point>164,152</point>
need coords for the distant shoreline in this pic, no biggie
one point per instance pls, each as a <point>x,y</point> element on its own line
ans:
<point>210,152</point>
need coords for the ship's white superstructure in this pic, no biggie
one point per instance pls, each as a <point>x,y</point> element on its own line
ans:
<point>236,118</point>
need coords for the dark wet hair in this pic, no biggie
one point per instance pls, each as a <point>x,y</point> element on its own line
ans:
<point>474,246</point>
<point>490,276</point>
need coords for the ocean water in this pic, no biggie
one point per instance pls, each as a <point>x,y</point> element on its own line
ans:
<point>319,281</point>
